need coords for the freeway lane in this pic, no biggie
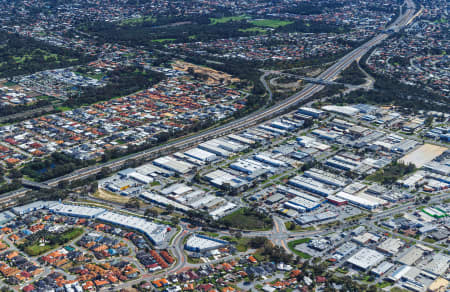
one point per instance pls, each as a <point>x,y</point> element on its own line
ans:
<point>328,75</point>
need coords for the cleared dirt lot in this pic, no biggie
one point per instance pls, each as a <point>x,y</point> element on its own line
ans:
<point>423,155</point>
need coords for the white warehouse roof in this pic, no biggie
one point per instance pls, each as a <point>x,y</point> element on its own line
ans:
<point>366,258</point>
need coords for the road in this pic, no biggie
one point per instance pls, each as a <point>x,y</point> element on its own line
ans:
<point>251,120</point>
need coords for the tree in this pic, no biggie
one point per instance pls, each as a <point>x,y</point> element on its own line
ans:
<point>151,213</point>
<point>174,220</point>
<point>133,203</point>
<point>170,208</point>
<point>14,173</point>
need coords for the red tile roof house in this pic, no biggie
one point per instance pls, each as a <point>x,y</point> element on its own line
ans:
<point>28,288</point>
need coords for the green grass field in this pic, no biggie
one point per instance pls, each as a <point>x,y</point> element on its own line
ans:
<point>272,23</point>
<point>163,40</point>
<point>227,19</point>
<point>137,20</point>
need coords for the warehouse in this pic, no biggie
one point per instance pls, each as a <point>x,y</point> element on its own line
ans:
<point>153,170</point>
<point>6,216</point>
<point>327,135</point>
<point>358,201</point>
<point>241,139</point>
<point>336,200</point>
<point>365,259</point>
<point>229,145</point>
<point>201,243</point>
<point>275,198</point>
<point>295,207</point>
<point>312,112</point>
<point>285,190</point>
<point>21,210</point>
<point>272,130</point>
<point>201,155</point>
<point>347,248</point>
<point>391,246</point>
<point>214,148</point>
<point>342,163</point>
<point>311,186</point>
<point>266,159</point>
<point>223,210</point>
<point>303,203</point>
<point>173,164</point>
<point>307,219</point>
<point>250,166</point>
<point>282,126</point>
<point>161,200</point>
<point>438,265</point>
<point>382,269</point>
<point>155,232</point>
<point>76,211</point>
<point>189,159</point>
<point>176,189</point>
<point>343,110</point>
<point>141,178</point>
<point>219,177</point>
<point>325,177</point>
<point>411,256</point>
<point>310,142</point>
<point>438,168</point>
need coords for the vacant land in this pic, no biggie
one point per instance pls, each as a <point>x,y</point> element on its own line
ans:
<point>391,173</point>
<point>423,155</point>
<point>247,219</point>
<point>108,196</point>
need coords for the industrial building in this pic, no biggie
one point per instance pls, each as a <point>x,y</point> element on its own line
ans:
<point>382,269</point>
<point>326,135</point>
<point>438,265</point>
<point>251,167</point>
<point>365,259</point>
<point>311,185</point>
<point>163,201</point>
<point>6,216</point>
<point>214,148</point>
<point>272,130</point>
<point>201,243</point>
<point>411,256</point>
<point>157,233</point>
<point>22,210</point>
<point>269,160</point>
<point>172,164</point>
<point>358,200</point>
<point>219,177</point>
<point>312,112</point>
<point>241,139</point>
<point>201,155</point>
<point>301,205</point>
<point>345,249</point>
<point>391,246</point>
<point>325,177</point>
<point>343,163</point>
<point>308,219</point>
<point>76,210</point>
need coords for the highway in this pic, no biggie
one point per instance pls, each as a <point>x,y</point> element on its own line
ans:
<point>302,96</point>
